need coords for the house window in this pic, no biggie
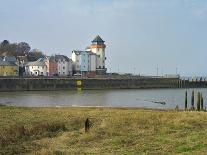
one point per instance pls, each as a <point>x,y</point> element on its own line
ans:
<point>64,73</point>
<point>38,66</point>
<point>64,67</point>
<point>41,73</point>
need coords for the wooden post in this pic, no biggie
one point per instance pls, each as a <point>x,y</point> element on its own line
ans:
<point>88,124</point>
<point>192,101</point>
<point>186,100</point>
<point>201,100</point>
<point>198,101</point>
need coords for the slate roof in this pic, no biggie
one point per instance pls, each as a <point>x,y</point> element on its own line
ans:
<point>62,57</point>
<point>7,63</point>
<point>36,63</point>
<point>98,39</point>
<point>77,52</point>
<point>10,58</point>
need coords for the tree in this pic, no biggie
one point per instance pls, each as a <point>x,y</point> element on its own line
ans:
<point>23,48</point>
<point>4,43</point>
<point>34,55</point>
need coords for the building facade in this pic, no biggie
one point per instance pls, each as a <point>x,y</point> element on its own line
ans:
<point>8,69</point>
<point>36,68</point>
<point>92,60</point>
<point>64,65</point>
<point>98,48</point>
<point>52,66</point>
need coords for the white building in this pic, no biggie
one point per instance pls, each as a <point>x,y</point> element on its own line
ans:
<point>36,68</point>
<point>64,65</point>
<point>92,60</point>
<point>98,48</point>
<point>84,62</point>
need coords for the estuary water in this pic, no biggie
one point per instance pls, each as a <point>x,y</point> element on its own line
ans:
<point>104,98</point>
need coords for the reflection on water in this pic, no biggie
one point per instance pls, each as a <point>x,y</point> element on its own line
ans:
<point>112,98</point>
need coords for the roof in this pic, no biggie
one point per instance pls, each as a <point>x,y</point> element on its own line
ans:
<point>7,63</point>
<point>79,52</point>
<point>62,57</point>
<point>10,58</point>
<point>41,60</point>
<point>36,63</point>
<point>98,39</point>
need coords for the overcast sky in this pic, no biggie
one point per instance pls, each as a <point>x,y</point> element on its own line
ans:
<point>140,34</point>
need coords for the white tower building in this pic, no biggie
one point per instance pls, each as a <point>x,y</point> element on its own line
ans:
<point>98,48</point>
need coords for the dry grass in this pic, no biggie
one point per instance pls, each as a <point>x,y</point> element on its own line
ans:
<point>114,131</point>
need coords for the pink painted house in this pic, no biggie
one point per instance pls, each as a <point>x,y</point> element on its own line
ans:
<point>52,66</point>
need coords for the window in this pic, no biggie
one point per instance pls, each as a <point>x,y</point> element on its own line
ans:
<point>41,73</point>
<point>64,73</point>
<point>64,67</point>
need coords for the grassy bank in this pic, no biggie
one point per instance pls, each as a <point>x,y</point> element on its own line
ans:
<point>114,131</point>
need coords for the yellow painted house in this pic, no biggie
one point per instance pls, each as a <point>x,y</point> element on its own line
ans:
<point>8,69</point>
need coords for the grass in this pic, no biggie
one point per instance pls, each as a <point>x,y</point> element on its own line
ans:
<point>114,131</point>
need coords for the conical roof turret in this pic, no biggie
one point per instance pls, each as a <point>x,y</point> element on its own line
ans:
<point>98,39</point>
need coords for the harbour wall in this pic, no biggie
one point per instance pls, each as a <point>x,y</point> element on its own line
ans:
<point>35,84</point>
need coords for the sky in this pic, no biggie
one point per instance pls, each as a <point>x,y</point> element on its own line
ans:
<point>140,35</point>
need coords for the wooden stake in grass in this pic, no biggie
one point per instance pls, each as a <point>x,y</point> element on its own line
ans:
<point>198,101</point>
<point>186,100</point>
<point>192,100</point>
<point>201,101</point>
<point>88,124</point>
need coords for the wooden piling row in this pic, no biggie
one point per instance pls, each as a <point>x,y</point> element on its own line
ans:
<point>200,101</point>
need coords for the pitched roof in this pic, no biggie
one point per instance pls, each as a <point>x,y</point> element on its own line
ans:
<point>7,63</point>
<point>77,52</point>
<point>98,39</point>
<point>10,58</point>
<point>36,63</point>
<point>62,57</point>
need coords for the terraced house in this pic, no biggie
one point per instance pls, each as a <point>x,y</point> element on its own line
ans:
<point>8,69</point>
<point>36,68</point>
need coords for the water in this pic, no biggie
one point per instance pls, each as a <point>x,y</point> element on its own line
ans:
<point>105,98</point>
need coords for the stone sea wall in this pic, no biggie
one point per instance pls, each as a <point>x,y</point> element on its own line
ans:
<point>33,84</point>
